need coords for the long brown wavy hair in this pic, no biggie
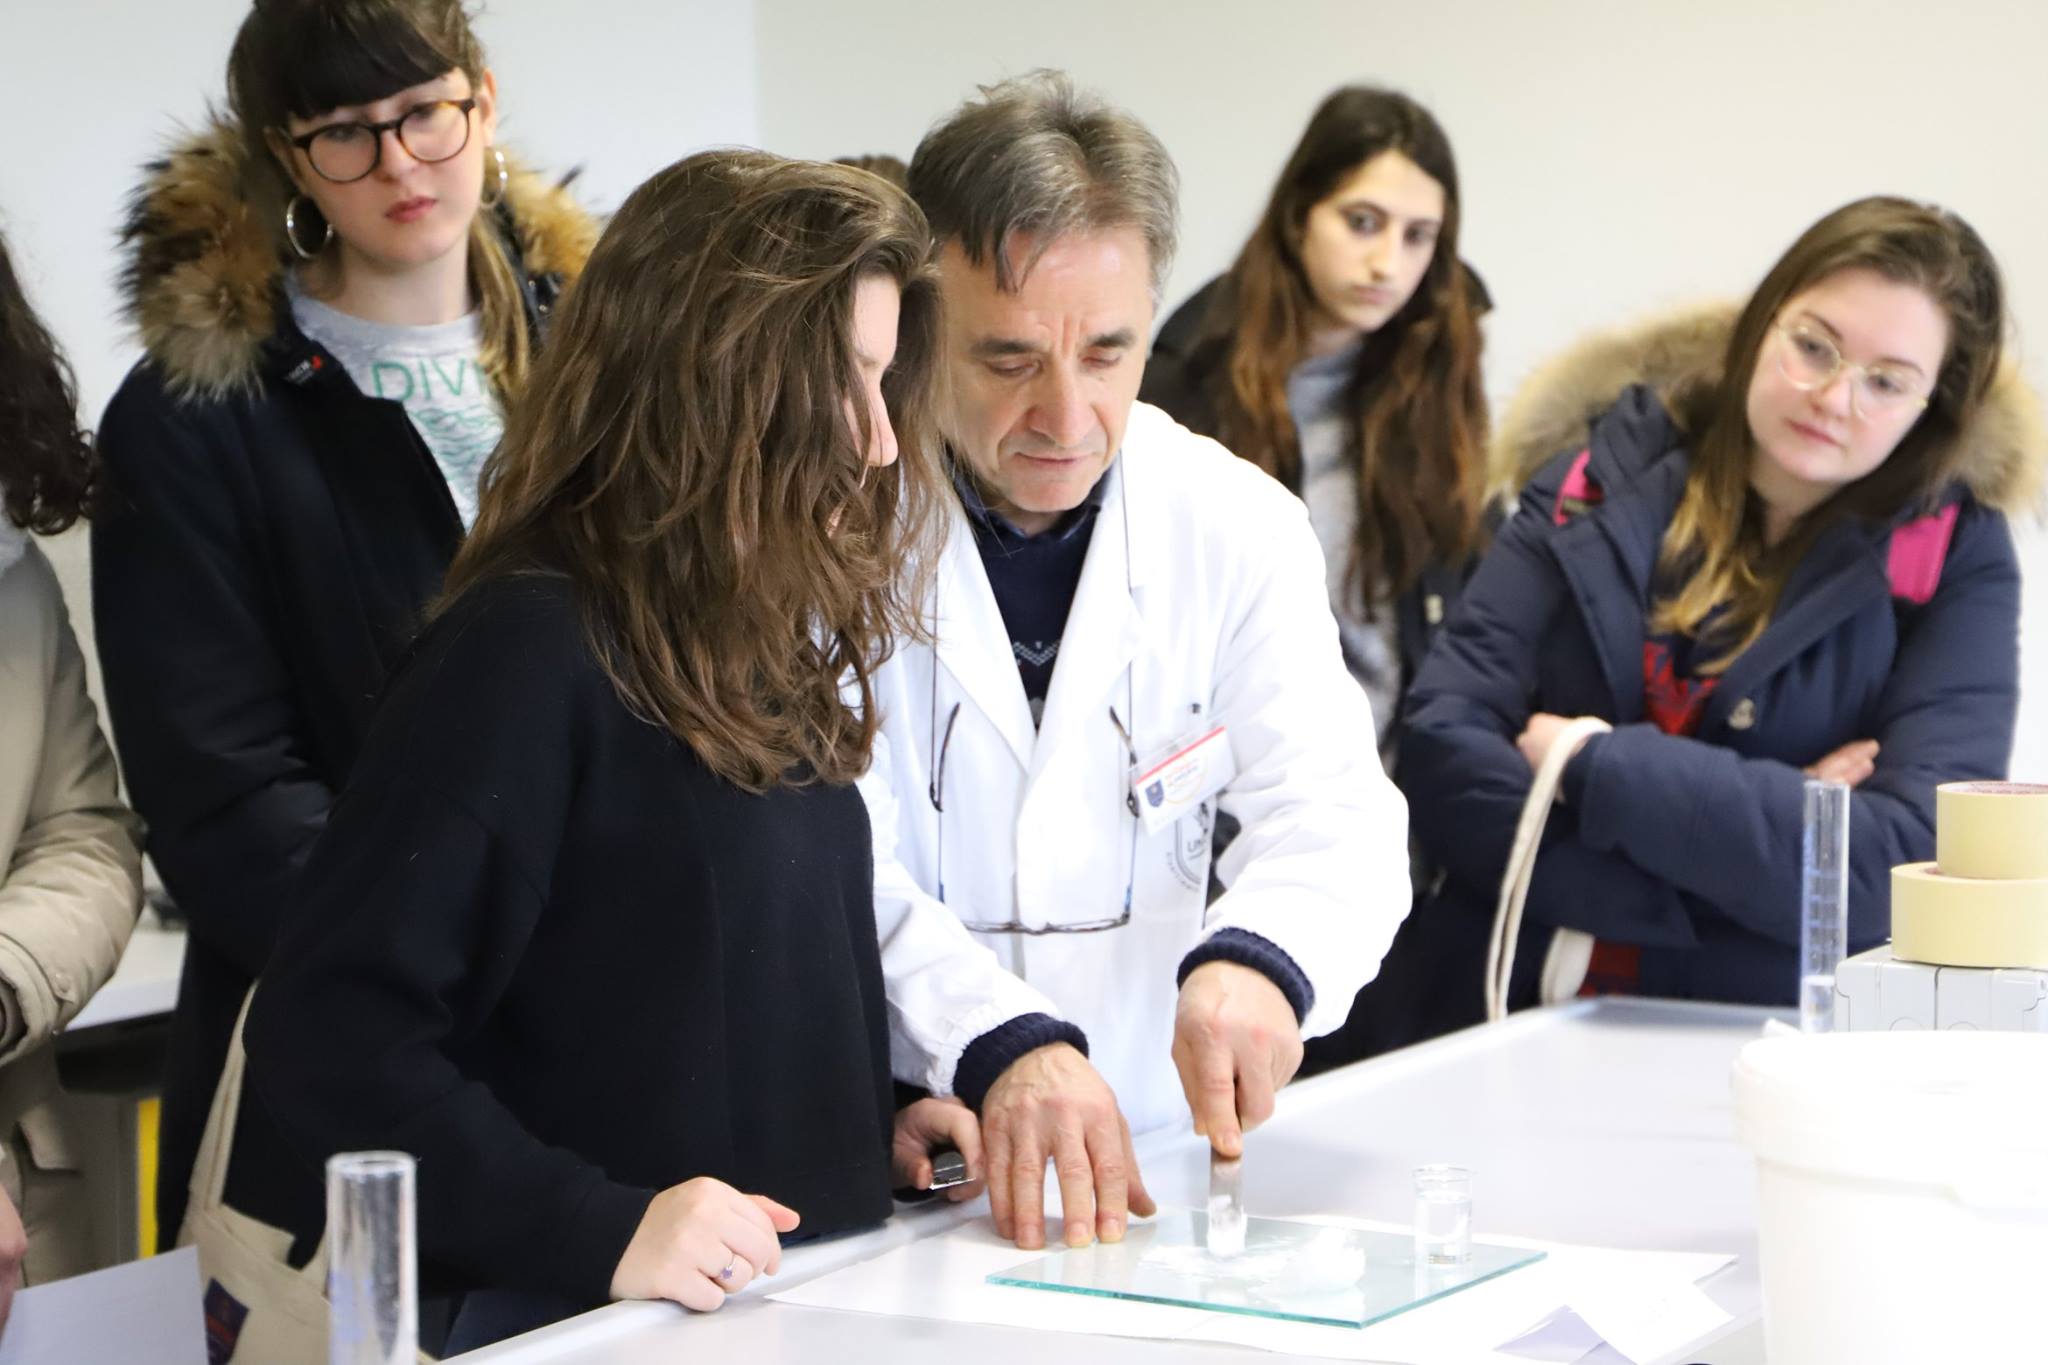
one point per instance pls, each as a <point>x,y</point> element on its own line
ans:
<point>301,58</point>
<point>47,464</point>
<point>1418,404</point>
<point>690,454</point>
<point>1715,544</point>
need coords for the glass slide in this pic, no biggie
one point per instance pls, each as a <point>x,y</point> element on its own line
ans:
<point>1340,1277</point>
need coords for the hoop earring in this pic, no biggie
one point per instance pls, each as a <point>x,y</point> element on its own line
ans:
<point>504,180</point>
<point>291,230</point>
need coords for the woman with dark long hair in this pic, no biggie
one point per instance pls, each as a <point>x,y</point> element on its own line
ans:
<point>592,931</point>
<point>70,853</point>
<point>339,286</point>
<point>1786,554</point>
<point>1341,355</point>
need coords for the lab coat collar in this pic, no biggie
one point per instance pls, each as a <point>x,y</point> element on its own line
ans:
<point>973,644</point>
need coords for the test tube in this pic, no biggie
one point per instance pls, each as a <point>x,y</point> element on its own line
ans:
<point>372,1280</point>
<point>1443,1216</point>
<point>1824,902</point>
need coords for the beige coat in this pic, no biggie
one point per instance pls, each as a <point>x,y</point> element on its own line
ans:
<point>70,864</point>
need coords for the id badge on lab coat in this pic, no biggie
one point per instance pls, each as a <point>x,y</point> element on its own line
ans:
<point>1179,778</point>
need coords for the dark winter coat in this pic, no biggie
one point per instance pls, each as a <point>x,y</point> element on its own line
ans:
<point>268,541</point>
<point>1904,631</point>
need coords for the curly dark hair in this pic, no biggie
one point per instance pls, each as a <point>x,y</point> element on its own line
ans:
<point>46,459</point>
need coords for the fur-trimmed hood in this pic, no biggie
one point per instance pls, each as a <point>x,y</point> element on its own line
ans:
<point>203,279</point>
<point>1552,412</point>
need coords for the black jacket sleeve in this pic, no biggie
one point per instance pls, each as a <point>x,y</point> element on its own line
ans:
<point>420,902</point>
<point>201,701</point>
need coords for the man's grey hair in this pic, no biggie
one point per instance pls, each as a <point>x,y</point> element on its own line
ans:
<point>1035,156</point>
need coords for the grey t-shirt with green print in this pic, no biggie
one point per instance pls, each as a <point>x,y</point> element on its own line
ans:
<point>433,371</point>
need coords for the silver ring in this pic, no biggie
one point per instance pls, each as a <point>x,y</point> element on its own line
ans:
<point>730,1266</point>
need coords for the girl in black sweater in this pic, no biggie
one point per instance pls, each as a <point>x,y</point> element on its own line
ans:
<point>591,930</point>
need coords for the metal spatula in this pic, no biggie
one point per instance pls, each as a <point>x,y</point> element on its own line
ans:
<point>1226,1206</point>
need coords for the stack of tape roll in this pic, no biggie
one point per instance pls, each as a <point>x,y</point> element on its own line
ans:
<point>1983,901</point>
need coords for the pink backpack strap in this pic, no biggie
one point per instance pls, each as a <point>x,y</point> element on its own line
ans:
<point>1578,492</point>
<point>1918,550</point>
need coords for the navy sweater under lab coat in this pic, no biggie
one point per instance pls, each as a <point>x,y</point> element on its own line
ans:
<point>1690,847</point>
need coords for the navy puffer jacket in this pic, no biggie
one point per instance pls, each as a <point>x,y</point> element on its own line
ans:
<point>1689,847</point>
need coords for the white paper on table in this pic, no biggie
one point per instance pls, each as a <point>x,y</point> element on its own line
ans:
<point>1468,1327</point>
<point>1641,1312</point>
<point>1560,1339</point>
<point>945,1277</point>
<point>143,1313</point>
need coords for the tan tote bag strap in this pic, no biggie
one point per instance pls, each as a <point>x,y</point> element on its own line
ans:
<point>1521,868</point>
<point>217,1144</point>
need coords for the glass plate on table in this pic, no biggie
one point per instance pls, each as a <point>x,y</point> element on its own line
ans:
<point>1300,1272</point>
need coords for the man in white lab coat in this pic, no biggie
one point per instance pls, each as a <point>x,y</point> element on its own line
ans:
<point>1131,632</point>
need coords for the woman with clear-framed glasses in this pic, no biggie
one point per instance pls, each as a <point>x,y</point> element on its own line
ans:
<point>1780,552</point>
<point>339,285</point>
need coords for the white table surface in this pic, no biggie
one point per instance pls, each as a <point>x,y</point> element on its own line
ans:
<point>146,982</point>
<point>1606,1123</point>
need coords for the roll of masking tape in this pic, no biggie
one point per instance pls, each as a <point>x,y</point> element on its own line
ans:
<point>1966,922</point>
<point>1991,831</point>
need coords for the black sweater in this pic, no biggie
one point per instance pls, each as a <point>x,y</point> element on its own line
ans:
<point>547,951</point>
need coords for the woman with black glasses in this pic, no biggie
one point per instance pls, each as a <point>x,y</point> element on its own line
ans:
<point>339,288</point>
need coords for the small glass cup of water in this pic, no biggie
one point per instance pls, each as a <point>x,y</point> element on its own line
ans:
<point>1443,1215</point>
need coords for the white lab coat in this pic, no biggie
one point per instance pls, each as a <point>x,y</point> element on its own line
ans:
<point>1211,607</point>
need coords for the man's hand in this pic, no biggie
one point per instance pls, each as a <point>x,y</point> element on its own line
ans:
<point>1849,764</point>
<point>925,1126</point>
<point>1051,1104</point>
<point>13,1251</point>
<point>1235,1042</point>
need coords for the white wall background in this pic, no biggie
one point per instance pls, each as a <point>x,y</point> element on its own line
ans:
<point>1615,157</point>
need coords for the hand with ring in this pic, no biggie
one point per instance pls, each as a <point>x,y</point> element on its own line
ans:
<point>700,1241</point>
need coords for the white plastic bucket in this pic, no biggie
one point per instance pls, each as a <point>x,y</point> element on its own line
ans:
<point>1903,1195</point>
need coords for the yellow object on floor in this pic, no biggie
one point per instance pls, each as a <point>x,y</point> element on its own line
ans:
<point>147,1113</point>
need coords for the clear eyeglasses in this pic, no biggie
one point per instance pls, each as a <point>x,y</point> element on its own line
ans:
<point>943,742</point>
<point>343,153</point>
<point>1810,359</point>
